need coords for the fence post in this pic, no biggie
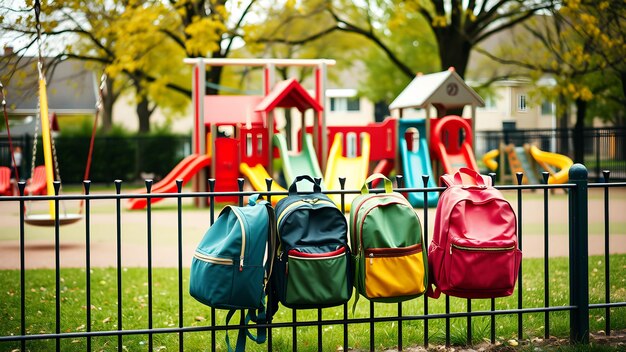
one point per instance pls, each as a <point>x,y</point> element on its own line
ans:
<point>579,255</point>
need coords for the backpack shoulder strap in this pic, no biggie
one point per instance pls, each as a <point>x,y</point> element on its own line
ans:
<point>272,239</point>
<point>254,315</point>
<point>241,335</point>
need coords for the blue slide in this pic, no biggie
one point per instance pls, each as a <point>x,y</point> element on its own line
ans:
<point>416,162</point>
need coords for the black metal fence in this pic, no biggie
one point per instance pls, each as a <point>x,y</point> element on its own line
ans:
<point>604,148</point>
<point>576,305</point>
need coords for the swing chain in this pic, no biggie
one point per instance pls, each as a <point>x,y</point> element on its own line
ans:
<point>35,136</point>
<point>38,28</point>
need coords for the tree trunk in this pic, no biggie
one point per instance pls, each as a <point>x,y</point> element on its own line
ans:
<point>214,76</point>
<point>621,118</point>
<point>562,125</point>
<point>454,51</point>
<point>143,113</point>
<point>108,100</point>
<point>579,131</point>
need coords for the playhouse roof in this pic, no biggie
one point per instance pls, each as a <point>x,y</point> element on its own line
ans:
<point>446,88</point>
<point>231,109</point>
<point>288,94</point>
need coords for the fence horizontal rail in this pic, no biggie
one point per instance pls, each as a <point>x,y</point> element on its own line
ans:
<point>309,323</point>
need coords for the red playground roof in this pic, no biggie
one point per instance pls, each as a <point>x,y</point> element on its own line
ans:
<point>231,109</point>
<point>288,94</point>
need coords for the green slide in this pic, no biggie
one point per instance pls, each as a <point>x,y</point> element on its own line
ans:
<point>295,164</point>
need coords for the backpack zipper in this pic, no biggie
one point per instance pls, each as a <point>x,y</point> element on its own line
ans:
<point>481,249</point>
<point>393,252</point>
<point>317,256</point>
<point>212,260</point>
<point>243,239</point>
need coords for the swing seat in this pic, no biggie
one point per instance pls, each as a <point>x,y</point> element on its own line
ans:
<point>36,185</point>
<point>6,188</point>
<point>47,220</point>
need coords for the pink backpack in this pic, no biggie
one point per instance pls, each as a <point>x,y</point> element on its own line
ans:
<point>474,251</point>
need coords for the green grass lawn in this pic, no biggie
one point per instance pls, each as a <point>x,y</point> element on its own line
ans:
<point>40,311</point>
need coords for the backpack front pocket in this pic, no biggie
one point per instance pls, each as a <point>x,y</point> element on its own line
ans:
<point>314,278</point>
<point>394,272</point>
<point>216,285</point>
<point>483,267</point>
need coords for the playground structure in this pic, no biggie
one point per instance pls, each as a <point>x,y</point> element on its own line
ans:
<point>352,166</point>
<point>530,161</point>
<point>5,181</point>
<point>446,141</point>
<point>415,159</point>
<point>236,135</point>
<point>253,144</point>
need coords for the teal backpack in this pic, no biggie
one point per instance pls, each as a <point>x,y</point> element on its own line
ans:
<point>389,256</point>
<point>232,264</point>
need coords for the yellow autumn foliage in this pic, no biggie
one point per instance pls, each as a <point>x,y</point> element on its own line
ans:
<point>439,21</point>
<point>204,35</point>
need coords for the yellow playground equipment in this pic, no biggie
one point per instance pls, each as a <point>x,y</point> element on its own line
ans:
<point>529,160</point>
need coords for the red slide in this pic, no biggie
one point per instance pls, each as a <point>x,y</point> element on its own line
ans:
<point>185,170</point>
<point>451,141</point>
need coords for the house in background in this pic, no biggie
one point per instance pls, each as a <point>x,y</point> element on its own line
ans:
<point>509,104</point>
<point>71,87</point>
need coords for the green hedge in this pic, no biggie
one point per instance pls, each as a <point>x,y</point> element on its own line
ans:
<point>124,157</point>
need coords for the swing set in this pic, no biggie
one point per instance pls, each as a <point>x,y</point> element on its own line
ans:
<point>50,169</point>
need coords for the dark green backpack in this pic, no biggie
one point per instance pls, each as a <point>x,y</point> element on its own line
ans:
<point>312,268</point>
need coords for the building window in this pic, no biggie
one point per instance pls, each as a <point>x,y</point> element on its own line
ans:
<point>546,108</point>
<point>345,104</point>
<point>490,102</point>
<point>354,104</point>
<point>521,103</point>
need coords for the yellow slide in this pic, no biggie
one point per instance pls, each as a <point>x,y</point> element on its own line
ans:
<point>257,175</point>
<point>354,169</point>
<point>548,161</point>
<point>489,159</point>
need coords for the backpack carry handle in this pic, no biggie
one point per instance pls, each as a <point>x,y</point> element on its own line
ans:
<point>466,177</point>
<point>387,182</point>
<point>254,199</point>
<point>293,189</point>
